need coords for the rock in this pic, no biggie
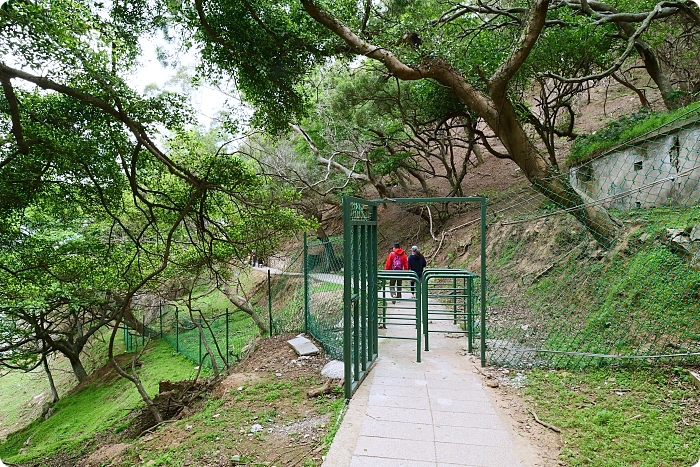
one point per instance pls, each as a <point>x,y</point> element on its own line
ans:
<point>644,237</point>
<point>255,428</point>
<point>492,383</point>
<point>695,234</point>
<point>303,346</point>
<point>334,369</point>
<point>674,234</point>
<point>596,254</point>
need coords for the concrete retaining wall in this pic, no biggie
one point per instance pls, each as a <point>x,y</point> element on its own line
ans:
<point>660,172</point>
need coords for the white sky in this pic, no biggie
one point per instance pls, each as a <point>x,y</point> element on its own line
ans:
<point>206,100</point>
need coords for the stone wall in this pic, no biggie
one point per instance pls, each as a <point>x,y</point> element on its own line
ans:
<point>659,172</point>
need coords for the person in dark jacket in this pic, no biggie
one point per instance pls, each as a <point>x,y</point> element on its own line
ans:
<point>397,261</point>
<point>416,263</point>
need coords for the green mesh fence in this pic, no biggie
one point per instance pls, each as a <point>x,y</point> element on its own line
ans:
<point>318,289</point>
<point>223,336</point>
<point>601,264</point>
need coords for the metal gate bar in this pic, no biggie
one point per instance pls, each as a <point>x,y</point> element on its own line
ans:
<point>360,337</point>
<point>403,319</point>
<point>463,292</point>
<point>360,294</point>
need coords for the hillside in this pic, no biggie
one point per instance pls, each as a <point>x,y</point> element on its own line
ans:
<point>259,413</point>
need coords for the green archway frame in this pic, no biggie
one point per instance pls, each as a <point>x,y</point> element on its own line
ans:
<point>360,337</point>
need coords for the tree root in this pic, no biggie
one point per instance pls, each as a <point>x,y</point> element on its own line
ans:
<point>545,424</point>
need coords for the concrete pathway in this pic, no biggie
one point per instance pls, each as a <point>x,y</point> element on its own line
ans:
<point>435,413</point>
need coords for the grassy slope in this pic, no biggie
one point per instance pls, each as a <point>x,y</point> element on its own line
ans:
<point>96,407</point>
<point>642,413</point>
<point>621,416</point>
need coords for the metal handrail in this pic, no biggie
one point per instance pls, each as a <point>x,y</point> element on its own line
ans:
<point>385,274</point>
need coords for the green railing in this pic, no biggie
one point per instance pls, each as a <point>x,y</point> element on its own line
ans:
<point>224,338</point>
<point>452,290</point>
<point>397,318</point>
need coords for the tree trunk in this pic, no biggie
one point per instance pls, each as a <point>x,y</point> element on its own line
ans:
<point>208,350</point>
<point>78,368</point>
<point>651,64</point>
<point>52,385</point>
<point>495,108</point>
<point>547,180</point>
<point>246,307</point>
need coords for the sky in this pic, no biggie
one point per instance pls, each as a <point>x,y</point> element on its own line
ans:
<point>206,100</point>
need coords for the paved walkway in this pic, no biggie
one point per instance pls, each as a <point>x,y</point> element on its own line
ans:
<point>435,413</point>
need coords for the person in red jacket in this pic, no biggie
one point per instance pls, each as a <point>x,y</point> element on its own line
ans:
<point>397,261</point>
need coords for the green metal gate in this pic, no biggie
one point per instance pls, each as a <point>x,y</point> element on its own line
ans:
<point>360,339</point>
<point>360,291</point>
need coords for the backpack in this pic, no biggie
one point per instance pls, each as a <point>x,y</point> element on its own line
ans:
<point>396,263</point>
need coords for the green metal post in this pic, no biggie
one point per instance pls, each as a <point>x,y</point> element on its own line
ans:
<point>454,300</point>
<point>347,292</point>
<point>425,312</point>
<point>227,341</point>
<point>419,317</point>
<point>470,318</point>
<point>160,315</point>
<point>306,285</point>
<point>269,299</point>
<point>177,332</point>
<point>199,328</point>
<point>483,282</point>
<point>373,308</point>
<point>355,308</point>
<point>364,337</point>
<point>464,303</point>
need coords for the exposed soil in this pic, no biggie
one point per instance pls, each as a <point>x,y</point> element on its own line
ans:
<point>260,414</point>
<point>507,398</point>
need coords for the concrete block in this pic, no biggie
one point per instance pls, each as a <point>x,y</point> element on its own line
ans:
<point>334,369</point>
<point>302,346</point>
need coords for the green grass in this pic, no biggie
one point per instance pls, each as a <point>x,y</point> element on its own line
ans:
<point>619,417</point>
<point>220,427</point>
<point>626,128</point>
<point>640,300</point>
<point>95,408</point>
<point>17,389</point>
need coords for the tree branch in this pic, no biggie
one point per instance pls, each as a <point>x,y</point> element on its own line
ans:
<point>531,33</point>
<point>13,103</point>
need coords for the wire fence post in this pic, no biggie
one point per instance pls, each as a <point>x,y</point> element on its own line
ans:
<point>227,345</point>
<point>306,285</point>
<point>160,313</point>
<point>199,328</point>
<point>269,299</point>
<point>177,331</point>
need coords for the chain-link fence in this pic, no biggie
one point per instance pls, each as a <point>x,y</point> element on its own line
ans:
<point>221,339</point>
<point>609,271</point>
<point>317,288</point>
<point>597,264</point>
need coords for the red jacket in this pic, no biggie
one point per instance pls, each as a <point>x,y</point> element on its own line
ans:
<point>390,259</point>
